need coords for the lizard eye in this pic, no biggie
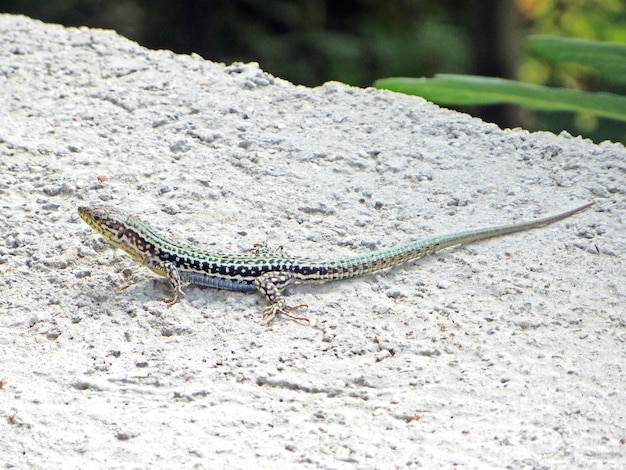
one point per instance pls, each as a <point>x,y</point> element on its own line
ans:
<point>120,234</point>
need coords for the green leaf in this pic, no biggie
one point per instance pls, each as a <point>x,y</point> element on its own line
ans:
<point>608,59</point>
<point>448,89</point>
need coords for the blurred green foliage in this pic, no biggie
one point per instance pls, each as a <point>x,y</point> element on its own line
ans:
<point>306,42</point>
<point>599,20</point>
<point>356,41</point>
<point>451,89</point>
<point>608,60</point>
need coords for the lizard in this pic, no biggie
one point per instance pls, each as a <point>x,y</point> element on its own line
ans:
<point>268,273</point>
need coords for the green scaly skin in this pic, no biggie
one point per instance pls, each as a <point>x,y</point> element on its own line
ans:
<point>268,273</point>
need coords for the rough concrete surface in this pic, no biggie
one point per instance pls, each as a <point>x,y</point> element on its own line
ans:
<point>505,353</point>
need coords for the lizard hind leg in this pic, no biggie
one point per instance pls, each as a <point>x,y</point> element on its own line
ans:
<point>271,285</point>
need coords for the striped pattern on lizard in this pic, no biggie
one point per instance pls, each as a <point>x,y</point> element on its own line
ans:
<point>267,273</point>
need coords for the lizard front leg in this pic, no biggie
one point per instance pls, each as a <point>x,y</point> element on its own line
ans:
<point>271,285</point>
<point>169,270</point>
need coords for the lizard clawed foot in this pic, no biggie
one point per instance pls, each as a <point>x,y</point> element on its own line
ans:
<point>168,300</point>
<point>264,249</point>
<point>279,308</point>
<point>176,283</point>
<point>171,301</point>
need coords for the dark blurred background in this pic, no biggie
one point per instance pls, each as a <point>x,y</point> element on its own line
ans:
<point>310,42</point>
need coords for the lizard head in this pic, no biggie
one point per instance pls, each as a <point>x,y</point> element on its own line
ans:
<point>117,227</point>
